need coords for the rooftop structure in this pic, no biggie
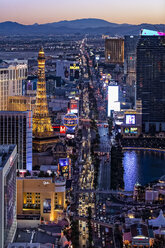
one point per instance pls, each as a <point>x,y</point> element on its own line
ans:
<point>159,221</point>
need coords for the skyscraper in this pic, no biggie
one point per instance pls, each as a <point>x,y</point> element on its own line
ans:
<point>16,128</point>
<point>130,43</point>
<point>11,76</point>
<point>114,50</point>
<point>151,82</point>
<point>41,121</point>
<point>8,165</point>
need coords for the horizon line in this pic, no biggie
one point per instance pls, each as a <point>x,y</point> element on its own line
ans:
<point>36,23</point>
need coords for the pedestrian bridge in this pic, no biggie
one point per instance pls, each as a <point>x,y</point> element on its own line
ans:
<point>104,191</point>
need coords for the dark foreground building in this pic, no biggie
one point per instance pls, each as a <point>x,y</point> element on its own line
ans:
<point>151,82</point>
<point>8,222</point>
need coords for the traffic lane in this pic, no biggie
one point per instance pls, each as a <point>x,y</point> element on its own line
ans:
<point>104,175</point>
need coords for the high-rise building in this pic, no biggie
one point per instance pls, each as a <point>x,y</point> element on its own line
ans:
<point>11,76</point>
<point>130,43</point>
<point>114,50</point>
<point>16,128</point>
<point>8,165</point>
<point>151,82</point>
<point>42,126</point>
<point>113,99</point>
<point>67,69</point>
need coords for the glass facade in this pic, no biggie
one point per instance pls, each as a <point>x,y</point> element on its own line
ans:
<point>16,128</point>
<point>151,81</point>
<point>10,202</point>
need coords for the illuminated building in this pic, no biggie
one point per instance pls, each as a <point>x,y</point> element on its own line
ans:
<point>114,50</point>
<point>21,103</point>
<point>16,128</point>
<point>8,165</point>
<point>132,125</point>
<point>151,82</point>
<point>42,196</point>
<point>67,69</point>
<point>41,120</point>
<point>11,76</point>
<point>113,99</point>
<point>42,127</point>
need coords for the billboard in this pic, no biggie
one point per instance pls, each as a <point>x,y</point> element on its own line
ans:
<point>74,71</point>
<point>64,161</point>
<point>130,119</point>
<point>131,130</point>
<point>73,107</point>
<point>47,206</point>
<point>113,99</point>
<point>65,167</point>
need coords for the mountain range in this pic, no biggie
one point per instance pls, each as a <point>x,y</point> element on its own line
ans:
<point>82,26</point>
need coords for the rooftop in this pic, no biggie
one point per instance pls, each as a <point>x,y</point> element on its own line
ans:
<point>13,112</point>
<point>5,152</point>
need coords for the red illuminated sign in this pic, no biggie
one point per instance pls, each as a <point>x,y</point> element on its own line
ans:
<point>62,129</point>
<point>29,119</point>
<point>73,106</point>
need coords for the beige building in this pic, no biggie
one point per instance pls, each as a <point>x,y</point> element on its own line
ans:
<point>20,103</point>
<point>41,196</point>
<point>11,76</point>
<point>114,50</point>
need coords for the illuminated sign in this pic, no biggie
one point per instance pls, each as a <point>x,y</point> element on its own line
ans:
<point>64,161</point>
<point>130,119</point>
<point>30,119</point>
<point>126,130</point>
<point>65,166</point>
<point>146,32</point>
<point>133,130</point>
<point>73,106</point>
<point>62,129</point>
<point>74,67</point>
<point>46,182</point>
<point>97,57</point>
<point>70,136</point>
<point>56,128</point>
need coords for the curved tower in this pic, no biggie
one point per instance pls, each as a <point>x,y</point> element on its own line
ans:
<point>41,121</point>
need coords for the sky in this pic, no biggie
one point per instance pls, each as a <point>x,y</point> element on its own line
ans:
<point>118,11</point>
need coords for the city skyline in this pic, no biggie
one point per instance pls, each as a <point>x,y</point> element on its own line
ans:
<point>132,12</point>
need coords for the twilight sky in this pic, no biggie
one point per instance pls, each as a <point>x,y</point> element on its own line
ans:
<point>119,11</point>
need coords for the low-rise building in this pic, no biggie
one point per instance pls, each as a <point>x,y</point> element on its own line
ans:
<point>44,196</point>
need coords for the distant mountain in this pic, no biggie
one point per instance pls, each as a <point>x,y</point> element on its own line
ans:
<point>91,25</point>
